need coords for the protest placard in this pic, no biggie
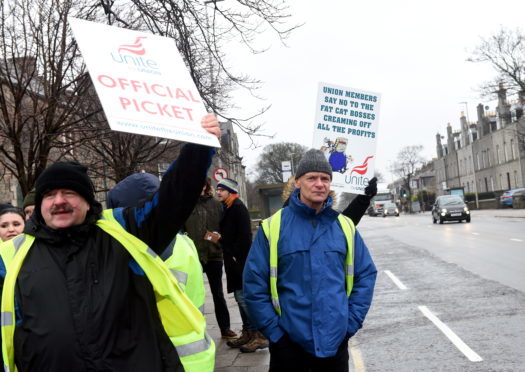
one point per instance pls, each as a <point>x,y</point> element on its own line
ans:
<point>142,83</point>
<point>345,129</point>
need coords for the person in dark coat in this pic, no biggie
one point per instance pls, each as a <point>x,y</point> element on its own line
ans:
<point>203,228</point>
<point>83,303</point>
<point>236,239</point>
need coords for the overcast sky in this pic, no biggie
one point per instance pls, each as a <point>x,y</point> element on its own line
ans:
<point>412,52</point>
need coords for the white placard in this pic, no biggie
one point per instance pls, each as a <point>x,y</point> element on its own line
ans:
<point>345,129</point>
<point>142,82</point>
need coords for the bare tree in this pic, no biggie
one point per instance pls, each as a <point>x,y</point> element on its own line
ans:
<point>269,166</point>
<point>408,160</point>
<point>41,77</point>
<point>201,29</point>
<point>505,52</point>
<point>45,90</point>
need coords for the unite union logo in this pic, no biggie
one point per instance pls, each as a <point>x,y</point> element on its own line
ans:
<point>135,48</point>
<point>363,168</point>
<point>134,57</point>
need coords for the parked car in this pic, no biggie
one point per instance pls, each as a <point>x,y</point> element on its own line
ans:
<point>450,208</point>
<point>390,209</point>
<point>506,199</point>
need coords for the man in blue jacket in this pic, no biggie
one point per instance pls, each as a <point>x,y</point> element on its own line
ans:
<point>316,316</point>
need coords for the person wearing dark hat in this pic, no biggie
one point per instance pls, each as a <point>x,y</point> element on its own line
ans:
<point>236,239</point>
<point>92,292</point>
<point>309,278</point>
<point>5,205</point>
<point>29,204</point>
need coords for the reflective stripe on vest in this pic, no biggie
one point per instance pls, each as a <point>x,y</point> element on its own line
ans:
<point>13,256</point>
<point>182,258</point>
<point>181,320</point>
<point>272,228</point>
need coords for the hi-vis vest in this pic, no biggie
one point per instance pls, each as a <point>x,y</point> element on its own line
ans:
<point>182,259</point>
<point>272,226</point>
<point>181,320</point>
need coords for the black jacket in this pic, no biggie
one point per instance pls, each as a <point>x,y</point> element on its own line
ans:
<point>357,208</point>
<point>236,242</point>
<point>83,302</point>
<point>205,217</point>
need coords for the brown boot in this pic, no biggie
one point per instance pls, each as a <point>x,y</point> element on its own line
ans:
<point>257,342</point>
<point>245,337</point>
<point>228,334</point>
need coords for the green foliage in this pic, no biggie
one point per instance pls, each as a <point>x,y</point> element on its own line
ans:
<point>486,195</point>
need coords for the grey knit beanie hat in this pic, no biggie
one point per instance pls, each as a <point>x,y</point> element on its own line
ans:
<point>313,161</point>
<point>229,185</point>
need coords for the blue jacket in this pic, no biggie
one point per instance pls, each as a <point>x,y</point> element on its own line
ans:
<point>316,313</point>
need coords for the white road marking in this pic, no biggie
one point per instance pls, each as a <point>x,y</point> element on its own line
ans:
<point>516,240</point>
<point>463,347</point>
<point>475,233</point>
<point>395,280</point>
<point>357,358</point>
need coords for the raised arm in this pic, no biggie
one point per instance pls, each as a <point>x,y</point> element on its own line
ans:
<point>357,207</point>
<point>156,220</point>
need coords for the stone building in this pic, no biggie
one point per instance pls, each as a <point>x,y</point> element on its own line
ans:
<point>486,156</point>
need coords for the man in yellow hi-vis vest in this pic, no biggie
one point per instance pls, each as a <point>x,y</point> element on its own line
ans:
<point>309,278</point>
<point>81,292</point>
<point>181,255</point>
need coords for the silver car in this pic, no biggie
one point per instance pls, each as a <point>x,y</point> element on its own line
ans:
<point>390,209</point>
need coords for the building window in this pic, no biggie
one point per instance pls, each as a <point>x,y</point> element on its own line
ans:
<point>491,183</point>
<point>505,152</point>
<point>488,157</point>
<point>516,179</point>
<point>512,149</point>
<point>478,164</point>
<point>508,180</point>
<point>497,154</point>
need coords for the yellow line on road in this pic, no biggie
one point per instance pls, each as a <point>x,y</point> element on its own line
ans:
<point>357,358</point>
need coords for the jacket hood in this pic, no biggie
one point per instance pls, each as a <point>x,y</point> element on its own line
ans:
<point>132,189</point>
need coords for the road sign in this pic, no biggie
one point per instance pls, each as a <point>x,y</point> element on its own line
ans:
<point>286,170</point>
<point>219,174</point>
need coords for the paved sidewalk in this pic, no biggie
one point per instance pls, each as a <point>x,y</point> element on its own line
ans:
<point>228,359</point>
<point>500,213</point>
